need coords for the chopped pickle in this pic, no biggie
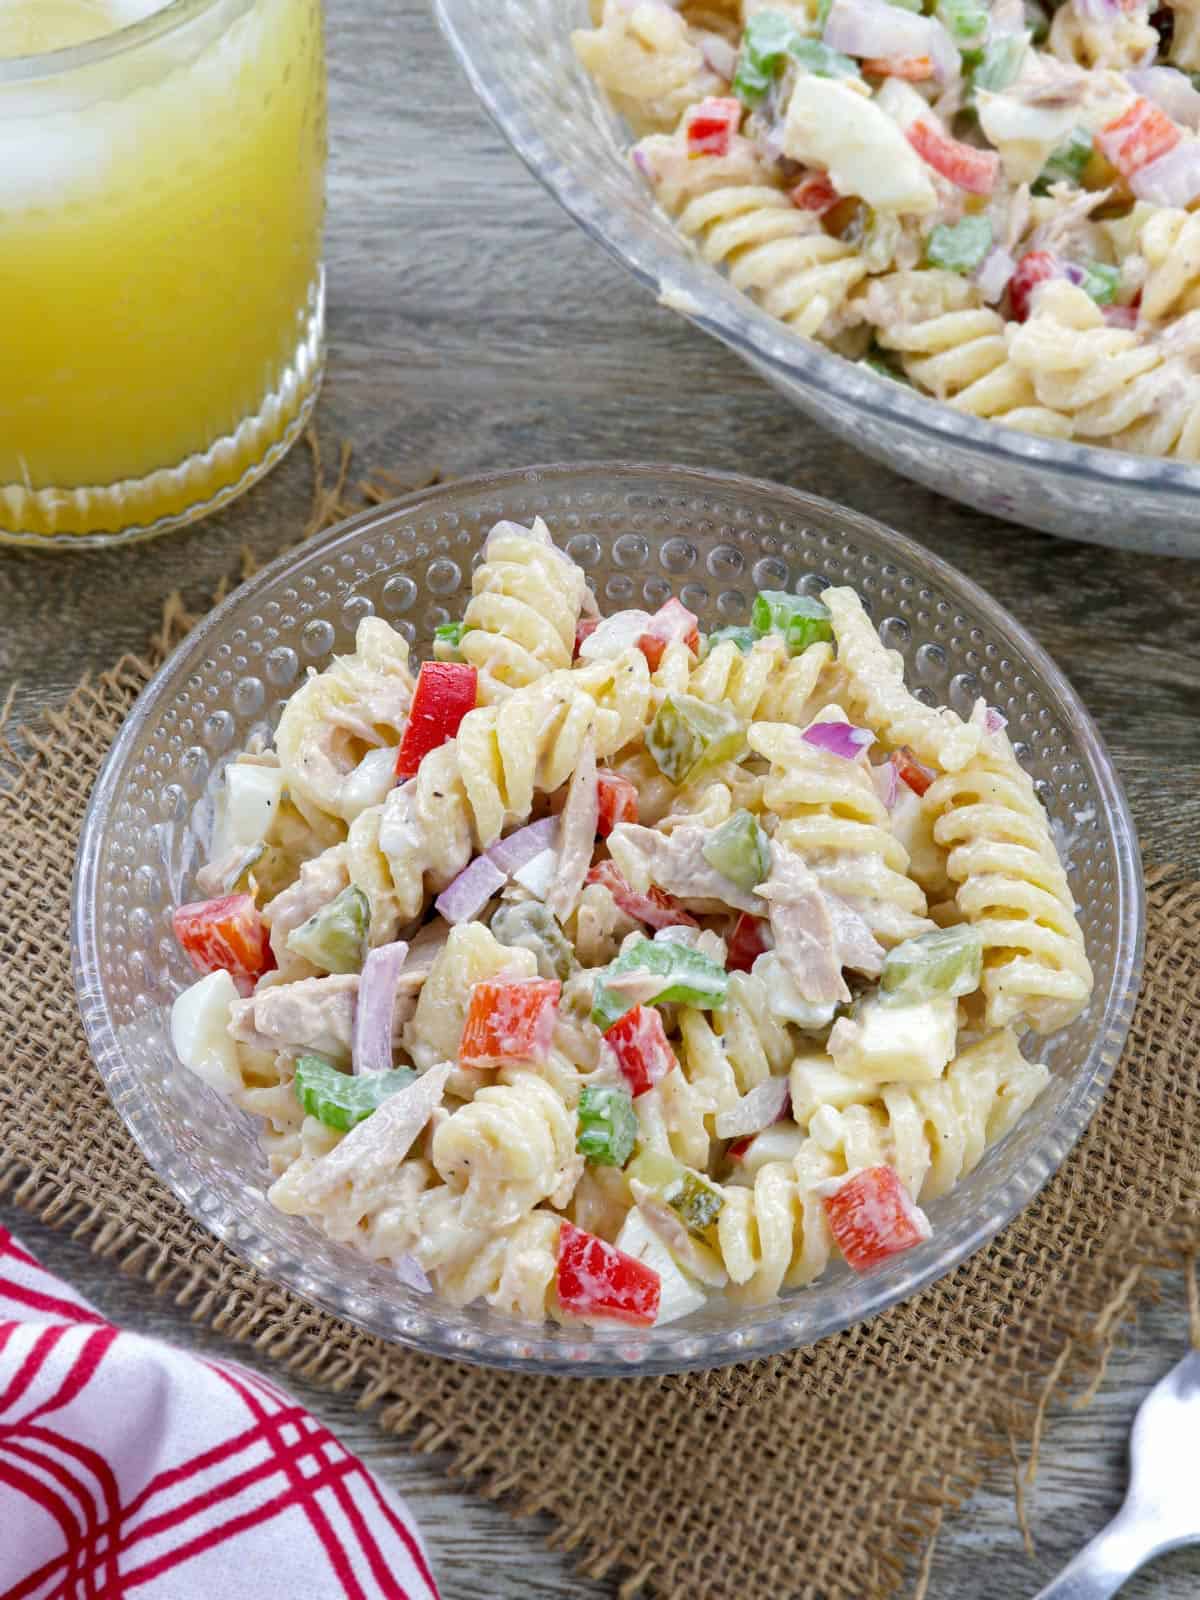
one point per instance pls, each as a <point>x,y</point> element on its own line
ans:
<point>341,1100</point>
<point>335,938</point>
<point>801,620</point>
<point>527,925</point>
<point>607,1126</point>
<point>688,733</point>
<point>265,865</point>
<point>694,1199</point>
<point>961,246</point>
<point>1067,162</point>
<point>743,637</point>
<point>739,850</point>
<point>671,972</point>
<point>948,961</point>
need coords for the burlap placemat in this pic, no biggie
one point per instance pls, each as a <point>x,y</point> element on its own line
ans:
<point>823,1473</point>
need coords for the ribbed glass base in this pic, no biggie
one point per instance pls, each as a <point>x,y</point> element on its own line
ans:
<point>141,508</point>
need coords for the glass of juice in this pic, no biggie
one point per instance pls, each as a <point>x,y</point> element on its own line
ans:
<point>161,295</point>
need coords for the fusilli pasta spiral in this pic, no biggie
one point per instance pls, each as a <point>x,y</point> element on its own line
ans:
<point>1011,886</point>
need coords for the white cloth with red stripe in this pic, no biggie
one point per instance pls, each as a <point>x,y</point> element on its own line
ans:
<point>128,1468</point>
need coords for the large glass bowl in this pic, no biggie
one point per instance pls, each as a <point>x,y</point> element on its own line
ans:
<point>641,532</point>
<point>518,57</point>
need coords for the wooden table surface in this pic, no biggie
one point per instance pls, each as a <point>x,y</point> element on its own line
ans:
<point>472,326</point>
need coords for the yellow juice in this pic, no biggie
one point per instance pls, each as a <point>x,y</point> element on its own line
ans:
<point>161,195</point>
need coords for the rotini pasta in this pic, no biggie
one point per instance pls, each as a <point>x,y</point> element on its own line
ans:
<point>620,1065</point>
<point>905,190</point>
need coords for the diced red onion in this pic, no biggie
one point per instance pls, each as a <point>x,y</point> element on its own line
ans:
<point>1120,316</point>
<point>471,890</point>
<point>766,1103</point>
<point>993,274</point>
<point>576,835</point>
<point>887,782</point>
<point>720,56</point>
<point>411,1273</point>
<point>511,854</point>
<point>840,738</point>
<point>1169,89</point>
<point>993,720</point>
<point>642,162</point>
<point>1097,10</point>
<point>371,1049</point>
<point>1172,180</point>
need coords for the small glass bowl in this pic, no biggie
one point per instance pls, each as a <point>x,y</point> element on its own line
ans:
<point>642,533</point>
<point>518,57</point>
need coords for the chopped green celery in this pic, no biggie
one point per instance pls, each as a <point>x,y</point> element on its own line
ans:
<point>340,1100</point>
<point>739,851</point>
<point>608,1125</point>
<point>1101,281</point>
<point>687,733</point>
<point>1002,58</point>
<point>965,20</point>
<point>1067,161</point>
<point>686,976</point>
<point>335,938</point>
<point>447,637</point>
<point>769,37</point>
<point>527,925</point>
<point>960,246</point>
<point>743,637</point>
<point>948,961</point>
<point>801,620</point>
<point>695,1200</point>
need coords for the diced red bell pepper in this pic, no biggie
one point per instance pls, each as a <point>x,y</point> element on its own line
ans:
<point>618,802</point>
<point>815,194</point>
<point>871,1217</point>
<point>510,1022</point>
<point>1036,266</point>
<point>584,629</point>
<point>712,125</point>
<point>669,623</point>
<point>1137,137</point>
<point>916,775</point>
<point>227,935</point>
<point>749,940</point>
<point>639,1042</point>
<point>656,909</point>
<point>914,69</point>
<point>445,692</point>
<point>595,1279</point>
<point>965,167</point>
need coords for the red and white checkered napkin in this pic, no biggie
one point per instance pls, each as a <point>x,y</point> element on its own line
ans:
<point>128,1468</point>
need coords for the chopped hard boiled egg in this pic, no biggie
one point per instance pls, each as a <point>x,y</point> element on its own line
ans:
<point>864,152</point>
<point>889,1043</point>
<point>200,1031</point>
<point>680,1297</point>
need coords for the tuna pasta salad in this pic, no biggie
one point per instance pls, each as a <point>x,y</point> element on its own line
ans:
<point>599,967</point>
<point>990,202</point>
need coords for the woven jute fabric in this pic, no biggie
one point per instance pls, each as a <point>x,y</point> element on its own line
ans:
<point>820,1473</point>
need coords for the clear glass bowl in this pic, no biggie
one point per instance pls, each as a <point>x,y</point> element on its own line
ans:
<point>642,532</point>
<point>518,57</point>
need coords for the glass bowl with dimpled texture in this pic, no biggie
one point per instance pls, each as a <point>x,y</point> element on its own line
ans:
<point>641,533</point>
<point>517,55</point>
